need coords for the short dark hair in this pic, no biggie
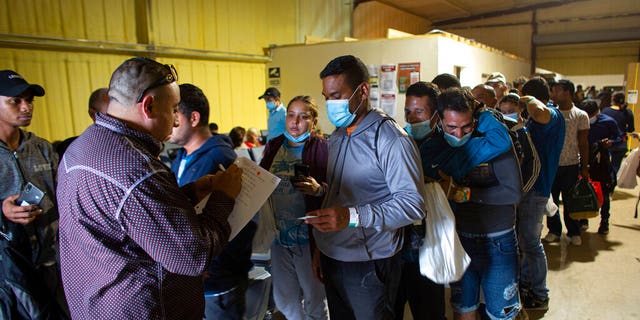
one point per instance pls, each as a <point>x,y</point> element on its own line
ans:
<point>456,99</point>
<point>213,126</point>
<point>237,136</point>
<point>445,81</point>
<point>538,88</point>
<point>101,94</point>
<point>351,67</point>
<point>590,106</point>
<point>425,89</point>
<point>192,99</point>
<point>521,80</point>
<point>511,97</point>
<point>567,85</point>
<point>136,76</point>
<point>618,98</point>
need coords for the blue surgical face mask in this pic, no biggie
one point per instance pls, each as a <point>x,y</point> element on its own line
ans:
<point>455,141</point>
<point>299,139</point>
<point>338,111</point>
<point>271,105</point>
<point>418,131</point>
<point>513,116</point>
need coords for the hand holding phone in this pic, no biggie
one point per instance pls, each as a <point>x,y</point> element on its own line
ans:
<point>300,170</point>
<point>30,195</point>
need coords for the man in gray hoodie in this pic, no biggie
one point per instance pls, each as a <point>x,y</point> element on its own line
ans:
<point>29,280</point>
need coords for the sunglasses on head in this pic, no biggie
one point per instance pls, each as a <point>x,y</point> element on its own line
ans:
<point>169,77</point>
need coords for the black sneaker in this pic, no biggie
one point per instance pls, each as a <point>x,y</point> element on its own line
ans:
<point>530,302</point>
<point>604,229</point>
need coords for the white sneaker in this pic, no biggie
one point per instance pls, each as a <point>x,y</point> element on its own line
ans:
<point>552,238</point>
<point>576,240</point>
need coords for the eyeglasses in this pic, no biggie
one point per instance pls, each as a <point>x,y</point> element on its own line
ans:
<point>170,77</point>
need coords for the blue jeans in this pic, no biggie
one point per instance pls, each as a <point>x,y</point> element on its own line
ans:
<point>363,290</point>
<point>533,264</point>
<point>229,305</point>
<point>494,267</point>
<point>566,178</point>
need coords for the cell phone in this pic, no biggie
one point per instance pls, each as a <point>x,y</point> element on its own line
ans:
<point>30,195</point>
<point>299,170</point>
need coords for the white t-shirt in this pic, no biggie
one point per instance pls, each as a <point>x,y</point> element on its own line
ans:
<point>575,120</point>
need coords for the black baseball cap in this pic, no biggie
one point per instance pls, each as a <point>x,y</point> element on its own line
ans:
<point>270,92</point>
<point>12,85</point>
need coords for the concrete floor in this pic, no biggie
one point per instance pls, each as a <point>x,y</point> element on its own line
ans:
<point>601,278</point>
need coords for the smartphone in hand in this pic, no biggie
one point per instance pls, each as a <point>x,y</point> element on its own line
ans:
<point>30,195</point>
<point>300,170</point>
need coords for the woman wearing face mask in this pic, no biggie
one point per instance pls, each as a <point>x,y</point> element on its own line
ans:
<point>297,294</point>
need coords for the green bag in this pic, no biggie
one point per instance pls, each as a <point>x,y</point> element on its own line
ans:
<point>581,202</point>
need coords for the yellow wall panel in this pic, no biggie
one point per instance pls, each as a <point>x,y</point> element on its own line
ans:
<point>110,20</point>
<point>70,72</point>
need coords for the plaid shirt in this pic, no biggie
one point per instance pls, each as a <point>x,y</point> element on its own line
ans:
<point>131,246</point>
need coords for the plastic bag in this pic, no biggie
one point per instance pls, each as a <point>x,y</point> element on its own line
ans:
<point>581,201</point>
<point>597,188</point>
<point>442,257</point>
<point>628,169</point>
<point>266,231</point>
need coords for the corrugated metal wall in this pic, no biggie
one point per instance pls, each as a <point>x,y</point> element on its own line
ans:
<point>71,47</point>
<point>513,33</point>
<point>372,19</point>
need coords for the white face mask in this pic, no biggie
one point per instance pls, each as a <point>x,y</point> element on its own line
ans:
<point>593,119</point>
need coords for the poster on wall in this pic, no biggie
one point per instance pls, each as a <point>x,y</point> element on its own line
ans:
<point>388,89</point>
<point>632,96</point>
<point>408,74</point>
<point>388,103</point>
<point>374,91</point>
<point>388,78</point>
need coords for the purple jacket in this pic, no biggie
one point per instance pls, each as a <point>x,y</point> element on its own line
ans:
<point>314,153</point>
<point>131,245</point>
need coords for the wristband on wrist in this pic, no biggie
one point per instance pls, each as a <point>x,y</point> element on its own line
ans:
<point>321,190</point>
<point>354,218</point>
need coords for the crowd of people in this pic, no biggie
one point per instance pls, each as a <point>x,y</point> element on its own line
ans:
<point>115,233</point>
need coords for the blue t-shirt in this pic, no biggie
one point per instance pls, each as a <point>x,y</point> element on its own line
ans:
<point>548,140</point>
<point>276,124</point>
<point>288,203</point>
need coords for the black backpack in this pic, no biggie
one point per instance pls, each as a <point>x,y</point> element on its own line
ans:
<point>526,152</point>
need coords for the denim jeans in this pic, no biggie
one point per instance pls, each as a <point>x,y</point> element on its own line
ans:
<point>363,290</point>
<point>533,264</point>
<point>229,305</point>
<point>296,292</point>
<point>566,178</point>
<point>494,268</point>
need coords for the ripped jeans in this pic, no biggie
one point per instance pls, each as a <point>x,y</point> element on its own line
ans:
<point>494,268</point>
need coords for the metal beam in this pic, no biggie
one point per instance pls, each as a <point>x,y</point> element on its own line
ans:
<point>586,37</point>
<point>13,41</point>
<point>492,14</point>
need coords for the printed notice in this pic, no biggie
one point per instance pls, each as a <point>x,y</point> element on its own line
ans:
<point>257,186</point>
